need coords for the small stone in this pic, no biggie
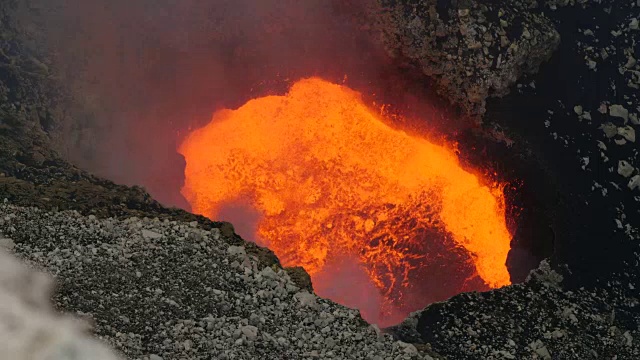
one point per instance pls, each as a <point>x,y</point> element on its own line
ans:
<point>268,273</point>
<point>154,357</point>
<point>504,41</point>
<point>631,62</point>
<point>148,234</point>
<point>283,342</point>
<point>577,109</point>
<point>408,348</point>
<point>236,250</point>
<point>633,25</point>
<point>619,111</point>
<point>506,354</point>
<point>250,331</point>
<point>543,352</point>
<point>329,342</point>
<point>634,183</point>
<point>625,169</point>
<point>628,133</point>
<point>609,130</point>
<point>227,230</point>
<point>306,299</point>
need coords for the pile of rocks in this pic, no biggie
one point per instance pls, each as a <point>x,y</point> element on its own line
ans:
<point>604,107</point>
<point>472,49</point>
<point>538,319</point>
<point>167,290</point>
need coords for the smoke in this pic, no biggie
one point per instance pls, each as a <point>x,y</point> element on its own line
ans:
<point>143,72</point>
<point>346,282</point>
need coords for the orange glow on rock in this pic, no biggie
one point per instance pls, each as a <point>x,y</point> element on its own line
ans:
<point>332,180</point>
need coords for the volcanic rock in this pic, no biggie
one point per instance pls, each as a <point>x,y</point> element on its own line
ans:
<point>619,111</point>
<point>625,169</point>
<point>300,277</point>
<point>634,183</point>
<point>609,130</point>
<point>628,133</point>
<point>192,302</point>
<point>472,49</point>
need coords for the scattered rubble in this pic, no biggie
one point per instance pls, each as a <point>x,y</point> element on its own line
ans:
<point>185,292</point>
<point>615,46</point>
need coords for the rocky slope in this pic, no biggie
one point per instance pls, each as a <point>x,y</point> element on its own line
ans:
<point>539,319</point>
<point>172,290</point>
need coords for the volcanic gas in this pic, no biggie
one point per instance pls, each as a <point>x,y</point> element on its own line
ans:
<point>345,195</point>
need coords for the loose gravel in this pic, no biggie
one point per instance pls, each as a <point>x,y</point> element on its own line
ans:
<point>539,319</point>
<point>168,290</point>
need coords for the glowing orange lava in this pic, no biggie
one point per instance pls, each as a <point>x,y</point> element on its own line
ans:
<point>332,180</point>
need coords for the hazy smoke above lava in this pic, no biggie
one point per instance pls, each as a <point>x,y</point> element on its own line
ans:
<point>144,71</point>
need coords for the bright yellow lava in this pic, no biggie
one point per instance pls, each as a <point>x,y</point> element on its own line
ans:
<point>331,178</point>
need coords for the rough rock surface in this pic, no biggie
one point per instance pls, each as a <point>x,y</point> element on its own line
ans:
<point>29,329</point>
<point>168,290</point>
<point>538,319</point>
<point>472,49</point>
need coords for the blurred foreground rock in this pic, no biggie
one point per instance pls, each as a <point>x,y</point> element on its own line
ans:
<point>29,329</point>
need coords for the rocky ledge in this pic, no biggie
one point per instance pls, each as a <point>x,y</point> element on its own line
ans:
<point>539,319</point>
<point>471,49</point>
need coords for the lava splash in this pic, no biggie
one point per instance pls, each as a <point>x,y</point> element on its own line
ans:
<point>338,191</point>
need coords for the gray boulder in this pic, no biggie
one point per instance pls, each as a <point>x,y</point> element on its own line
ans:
<point>471,49</point>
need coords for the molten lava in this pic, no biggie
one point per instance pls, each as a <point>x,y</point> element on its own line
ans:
<point>336,187</point>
